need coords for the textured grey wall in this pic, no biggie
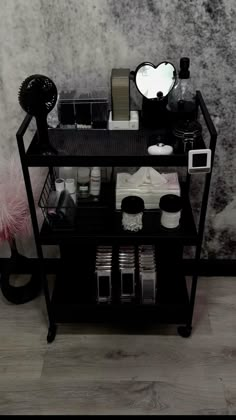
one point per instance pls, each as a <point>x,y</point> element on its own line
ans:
<point>77,42</point>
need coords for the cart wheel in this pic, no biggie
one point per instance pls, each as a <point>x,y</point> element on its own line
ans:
<point>184,331</point>
<point>51,333</point>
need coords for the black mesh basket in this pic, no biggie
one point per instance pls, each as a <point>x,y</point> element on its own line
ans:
<point>58,209</point>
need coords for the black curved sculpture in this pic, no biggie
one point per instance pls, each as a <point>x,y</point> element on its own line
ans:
<point>19,294</point>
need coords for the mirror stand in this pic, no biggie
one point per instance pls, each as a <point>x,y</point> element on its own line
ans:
<point>154,83</point>
<point>154,113</point>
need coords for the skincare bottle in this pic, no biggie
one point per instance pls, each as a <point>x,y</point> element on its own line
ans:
<point>70,186</point>
<point>83,182</point>
<point>182,97</point>
<point>95,181</point>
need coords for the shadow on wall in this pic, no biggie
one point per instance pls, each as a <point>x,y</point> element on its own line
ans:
<point>226,219</point>
<point>224,226</point>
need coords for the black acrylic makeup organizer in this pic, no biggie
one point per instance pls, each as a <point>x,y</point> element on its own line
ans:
<point>73,295</point>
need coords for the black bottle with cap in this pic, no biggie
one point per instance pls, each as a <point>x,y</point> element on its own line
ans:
<point>182,98</point>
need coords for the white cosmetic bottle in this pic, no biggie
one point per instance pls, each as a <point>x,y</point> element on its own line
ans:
<point>95,181</point>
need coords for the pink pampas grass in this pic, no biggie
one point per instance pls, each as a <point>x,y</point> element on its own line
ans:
<point>14,211</point>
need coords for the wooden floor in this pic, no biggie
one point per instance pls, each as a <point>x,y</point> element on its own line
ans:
<point>86,371</point>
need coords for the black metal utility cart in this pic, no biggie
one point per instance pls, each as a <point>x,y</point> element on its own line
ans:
<point>73,298</point>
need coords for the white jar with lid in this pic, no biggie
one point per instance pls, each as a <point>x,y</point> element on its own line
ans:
<point>171,206</point>
<point>83,175</point>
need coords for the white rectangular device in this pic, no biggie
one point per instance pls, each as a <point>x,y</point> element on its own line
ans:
<point>131,124</point>
<point>199,161</point>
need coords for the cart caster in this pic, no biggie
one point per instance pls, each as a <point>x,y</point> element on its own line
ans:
<point>51,333</point>
<point>184,331</point>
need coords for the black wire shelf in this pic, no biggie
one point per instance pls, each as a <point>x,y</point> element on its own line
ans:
<point>74,294</point>
<point>113,148</point>
<point>104,225</point>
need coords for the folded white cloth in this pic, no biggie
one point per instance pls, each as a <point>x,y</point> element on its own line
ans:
<point>144,176</point>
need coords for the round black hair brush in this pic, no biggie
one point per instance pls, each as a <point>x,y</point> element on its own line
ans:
<point>38,96</point>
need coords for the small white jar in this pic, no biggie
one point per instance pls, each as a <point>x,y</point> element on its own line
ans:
<point>171,206</point>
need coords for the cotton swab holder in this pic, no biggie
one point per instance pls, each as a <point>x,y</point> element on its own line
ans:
<point>132,213</point>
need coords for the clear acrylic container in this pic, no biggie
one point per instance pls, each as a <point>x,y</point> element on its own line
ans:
<point>83,108</point>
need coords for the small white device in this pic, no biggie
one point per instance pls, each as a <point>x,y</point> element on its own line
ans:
<point>199,161</point>
<point>160,149</point>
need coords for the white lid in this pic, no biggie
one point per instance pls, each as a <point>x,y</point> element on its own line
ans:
<point>96,170</point>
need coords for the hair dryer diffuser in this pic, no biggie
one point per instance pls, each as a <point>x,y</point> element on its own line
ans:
<point>38,96</point>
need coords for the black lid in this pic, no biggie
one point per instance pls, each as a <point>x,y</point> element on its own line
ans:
<point>132,204</point>
<point>171,203</point>
<point>184,72</point>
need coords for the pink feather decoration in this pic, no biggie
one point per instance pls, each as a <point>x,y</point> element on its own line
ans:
<point>14,211</point>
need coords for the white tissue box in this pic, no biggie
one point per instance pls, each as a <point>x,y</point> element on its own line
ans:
<point>148,184</point>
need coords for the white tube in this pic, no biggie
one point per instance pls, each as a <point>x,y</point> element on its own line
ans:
<point>70,185</point>
<point>60,184</point>
<point>170,220</point>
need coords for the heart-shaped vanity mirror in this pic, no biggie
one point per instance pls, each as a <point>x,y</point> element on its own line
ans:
<point>155,82</point>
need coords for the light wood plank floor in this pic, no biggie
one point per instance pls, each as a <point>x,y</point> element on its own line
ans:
<point>86,371</point>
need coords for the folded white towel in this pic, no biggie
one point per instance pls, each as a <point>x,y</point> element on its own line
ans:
<point>151,189</point>
<point>145,175</point>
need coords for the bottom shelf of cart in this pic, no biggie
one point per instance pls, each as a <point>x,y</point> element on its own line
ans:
<point>71,304</point>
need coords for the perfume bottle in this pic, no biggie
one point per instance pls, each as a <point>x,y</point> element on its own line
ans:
<point>182,97</point>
